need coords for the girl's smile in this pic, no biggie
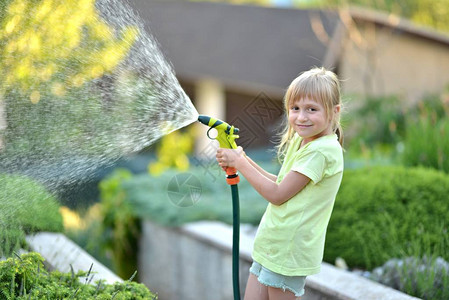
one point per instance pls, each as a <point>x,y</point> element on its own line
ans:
<point>309,119</point>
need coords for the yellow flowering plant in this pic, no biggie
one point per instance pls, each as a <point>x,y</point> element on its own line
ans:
<point>172,152</point>
<point>55,45</point>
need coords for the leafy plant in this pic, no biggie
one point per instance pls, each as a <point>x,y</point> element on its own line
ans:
<point>71,46</point>
<point>384,212</point>
<point>26,207</point>
<point>119,228</point>
<point>426,277</point>
<point>382,128</point>
<point>172,152</point>
<point>426,143</point>
<point>150,198</point>
<point>25,278</point>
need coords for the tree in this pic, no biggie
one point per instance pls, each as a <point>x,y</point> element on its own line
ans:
<point>433,13</point>
<point>54,55</point>
<point>48,47</point>
<point>52,46</point>
<point>255,2</point>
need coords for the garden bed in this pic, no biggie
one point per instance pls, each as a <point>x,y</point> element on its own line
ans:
<point>56,268</point>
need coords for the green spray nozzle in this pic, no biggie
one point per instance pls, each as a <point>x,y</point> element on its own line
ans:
<point>226,134</point>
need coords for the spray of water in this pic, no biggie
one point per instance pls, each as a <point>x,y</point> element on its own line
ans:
<point>90,101</point>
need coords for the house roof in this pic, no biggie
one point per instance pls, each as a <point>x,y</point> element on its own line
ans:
<point>398,23</point>
<point>253,47</point>
<point>248,46</point>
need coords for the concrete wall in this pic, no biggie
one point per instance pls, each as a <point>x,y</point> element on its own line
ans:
<point>383,61</point>
<point>195,262</point>
<point>186,263</point>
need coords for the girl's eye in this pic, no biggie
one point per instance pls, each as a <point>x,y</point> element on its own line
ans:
<point>312,109</point>
<point>294,108</point>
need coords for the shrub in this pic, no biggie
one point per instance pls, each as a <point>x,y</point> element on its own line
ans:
<point>25,278</point>
<point>392,131</point>
<point>26,207</point>
<point>386,212</point>
<point>120,228</point>
<point>426,143</point>
<point>426,277</point>
<point>383,122</point>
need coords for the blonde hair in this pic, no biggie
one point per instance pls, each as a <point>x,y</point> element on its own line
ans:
<point>320,85</point>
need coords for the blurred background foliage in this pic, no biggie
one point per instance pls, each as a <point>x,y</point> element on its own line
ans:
<point>54,53</point>
<point>431,13</point>
<point>49,48</point>
<point>395,132</point>
<point>26,207</point>
<point>173,151</point>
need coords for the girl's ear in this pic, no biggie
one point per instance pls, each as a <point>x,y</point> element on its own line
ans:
<point>337,109</point>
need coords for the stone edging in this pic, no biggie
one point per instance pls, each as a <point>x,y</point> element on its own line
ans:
<point>60,252</point>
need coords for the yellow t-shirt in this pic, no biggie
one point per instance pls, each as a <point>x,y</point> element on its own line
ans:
<point>290,237</point>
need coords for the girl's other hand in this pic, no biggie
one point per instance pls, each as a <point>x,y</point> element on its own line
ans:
<point>229,157</point>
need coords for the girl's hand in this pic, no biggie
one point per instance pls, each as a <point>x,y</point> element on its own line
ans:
<point>229,157</point>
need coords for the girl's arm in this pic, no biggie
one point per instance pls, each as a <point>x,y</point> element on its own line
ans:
<point>270,176</point>
<point>273,192</point>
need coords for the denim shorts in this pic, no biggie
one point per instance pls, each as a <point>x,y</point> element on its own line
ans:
<point>266,277</point>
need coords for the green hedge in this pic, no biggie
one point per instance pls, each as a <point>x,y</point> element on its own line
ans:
<point>26,207</point>
<point>386,212</point>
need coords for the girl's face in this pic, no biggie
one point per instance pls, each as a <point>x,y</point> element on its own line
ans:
<point>309,119</point>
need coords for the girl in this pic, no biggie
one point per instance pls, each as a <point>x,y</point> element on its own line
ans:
<point>289,243</point>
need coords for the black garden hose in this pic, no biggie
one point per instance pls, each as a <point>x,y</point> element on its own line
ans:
<point>235,240</point>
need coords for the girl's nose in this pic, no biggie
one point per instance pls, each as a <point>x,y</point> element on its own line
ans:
<point>302,116</point>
